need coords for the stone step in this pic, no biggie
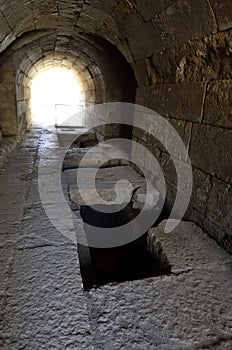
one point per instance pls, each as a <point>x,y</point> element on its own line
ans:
<point>133,187</point>
<point>81,134</point>
<point>103,155</point>
<point>187,247</point>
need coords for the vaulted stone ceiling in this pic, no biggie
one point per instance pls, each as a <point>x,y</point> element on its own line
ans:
<point>141,30</point>
<point>165,23</point>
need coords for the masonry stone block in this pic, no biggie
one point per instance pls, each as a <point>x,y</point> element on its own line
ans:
<point>89,23</point>
<point>8,122</point>
<point>209,151</point>
<point>223,12</point>
<point>101,15</point>
<point>179,101</point>
<point>5,28</point>
<point>127,26</point>
<point>148,9</point>
<point>145,41</point>
<point>20,20</point>
<point>140,72</point>
<point>202,184</point>
<point>219,208</point>
<point>140,96</point>
<point>195,61</point>
<point>98,4</point>
<point>48,22</point>
<point>183,21</point>
<point>217,108</point>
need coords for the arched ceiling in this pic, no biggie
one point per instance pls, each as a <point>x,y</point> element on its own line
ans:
<point>156,25</point>
<point>64,18</point>
<point>87,31</point>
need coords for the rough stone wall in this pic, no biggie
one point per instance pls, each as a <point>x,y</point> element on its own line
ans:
<point>8,107</point>
<point>186,77</point>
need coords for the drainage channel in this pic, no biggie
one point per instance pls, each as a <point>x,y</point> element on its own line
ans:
<point>133,261</point>
<point>99,266</point>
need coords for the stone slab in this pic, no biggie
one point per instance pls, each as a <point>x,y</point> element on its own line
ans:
<point>102,155</point>
<point>188,309</point>
<point>188,247</point>
<point>66,135</point>
<point>105,176</point>
<point>106,180</point>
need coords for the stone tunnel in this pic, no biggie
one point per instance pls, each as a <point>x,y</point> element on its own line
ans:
<point>149,72</point>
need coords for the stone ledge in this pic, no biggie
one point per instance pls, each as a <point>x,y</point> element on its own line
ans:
<point>187,247</point>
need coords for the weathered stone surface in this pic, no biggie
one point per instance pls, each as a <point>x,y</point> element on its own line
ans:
<point>179,101</point>
<point>178,311</point>
<point>220,206</point>
<point>48,22</point>
<point>42,302</point>
<point>223,13</point>
<point>106,194</point>
<point>21,21</point>
<point>43,287</point>
<point>140,96</point>
<point>106,176</point>
<point>217,108</point>
<point>76,134</point>
<point>171,23</point>
<point>196,61</point>
<point>148,39</point>
<point>208,146</point>
<point>149,9</point>
<point>7,144</point>
<point>89,23</point>
<point>143,194</point>
<point>106,187</point>
<point>129,25</point>
<point>101,14</point>
<point>140,73</point>
<point>201,189</point>
<point>123,9</point>
<point>187,247</point>
<point>99,5</point>
<point>103,156</point>
<point>5,31</point>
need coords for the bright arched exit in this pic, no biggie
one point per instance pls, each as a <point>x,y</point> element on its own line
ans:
<point>56,96</point>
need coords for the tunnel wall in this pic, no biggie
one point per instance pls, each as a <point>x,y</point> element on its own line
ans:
<point>180,52</point>
<point>8,107</point>
<point>184,73</point>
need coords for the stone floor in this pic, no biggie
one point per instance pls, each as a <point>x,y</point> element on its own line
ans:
<point>43,305</point>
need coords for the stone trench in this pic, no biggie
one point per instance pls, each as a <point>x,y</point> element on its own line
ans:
<point>47,303</point>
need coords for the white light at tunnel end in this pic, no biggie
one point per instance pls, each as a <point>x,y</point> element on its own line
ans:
<point>124,114</point>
